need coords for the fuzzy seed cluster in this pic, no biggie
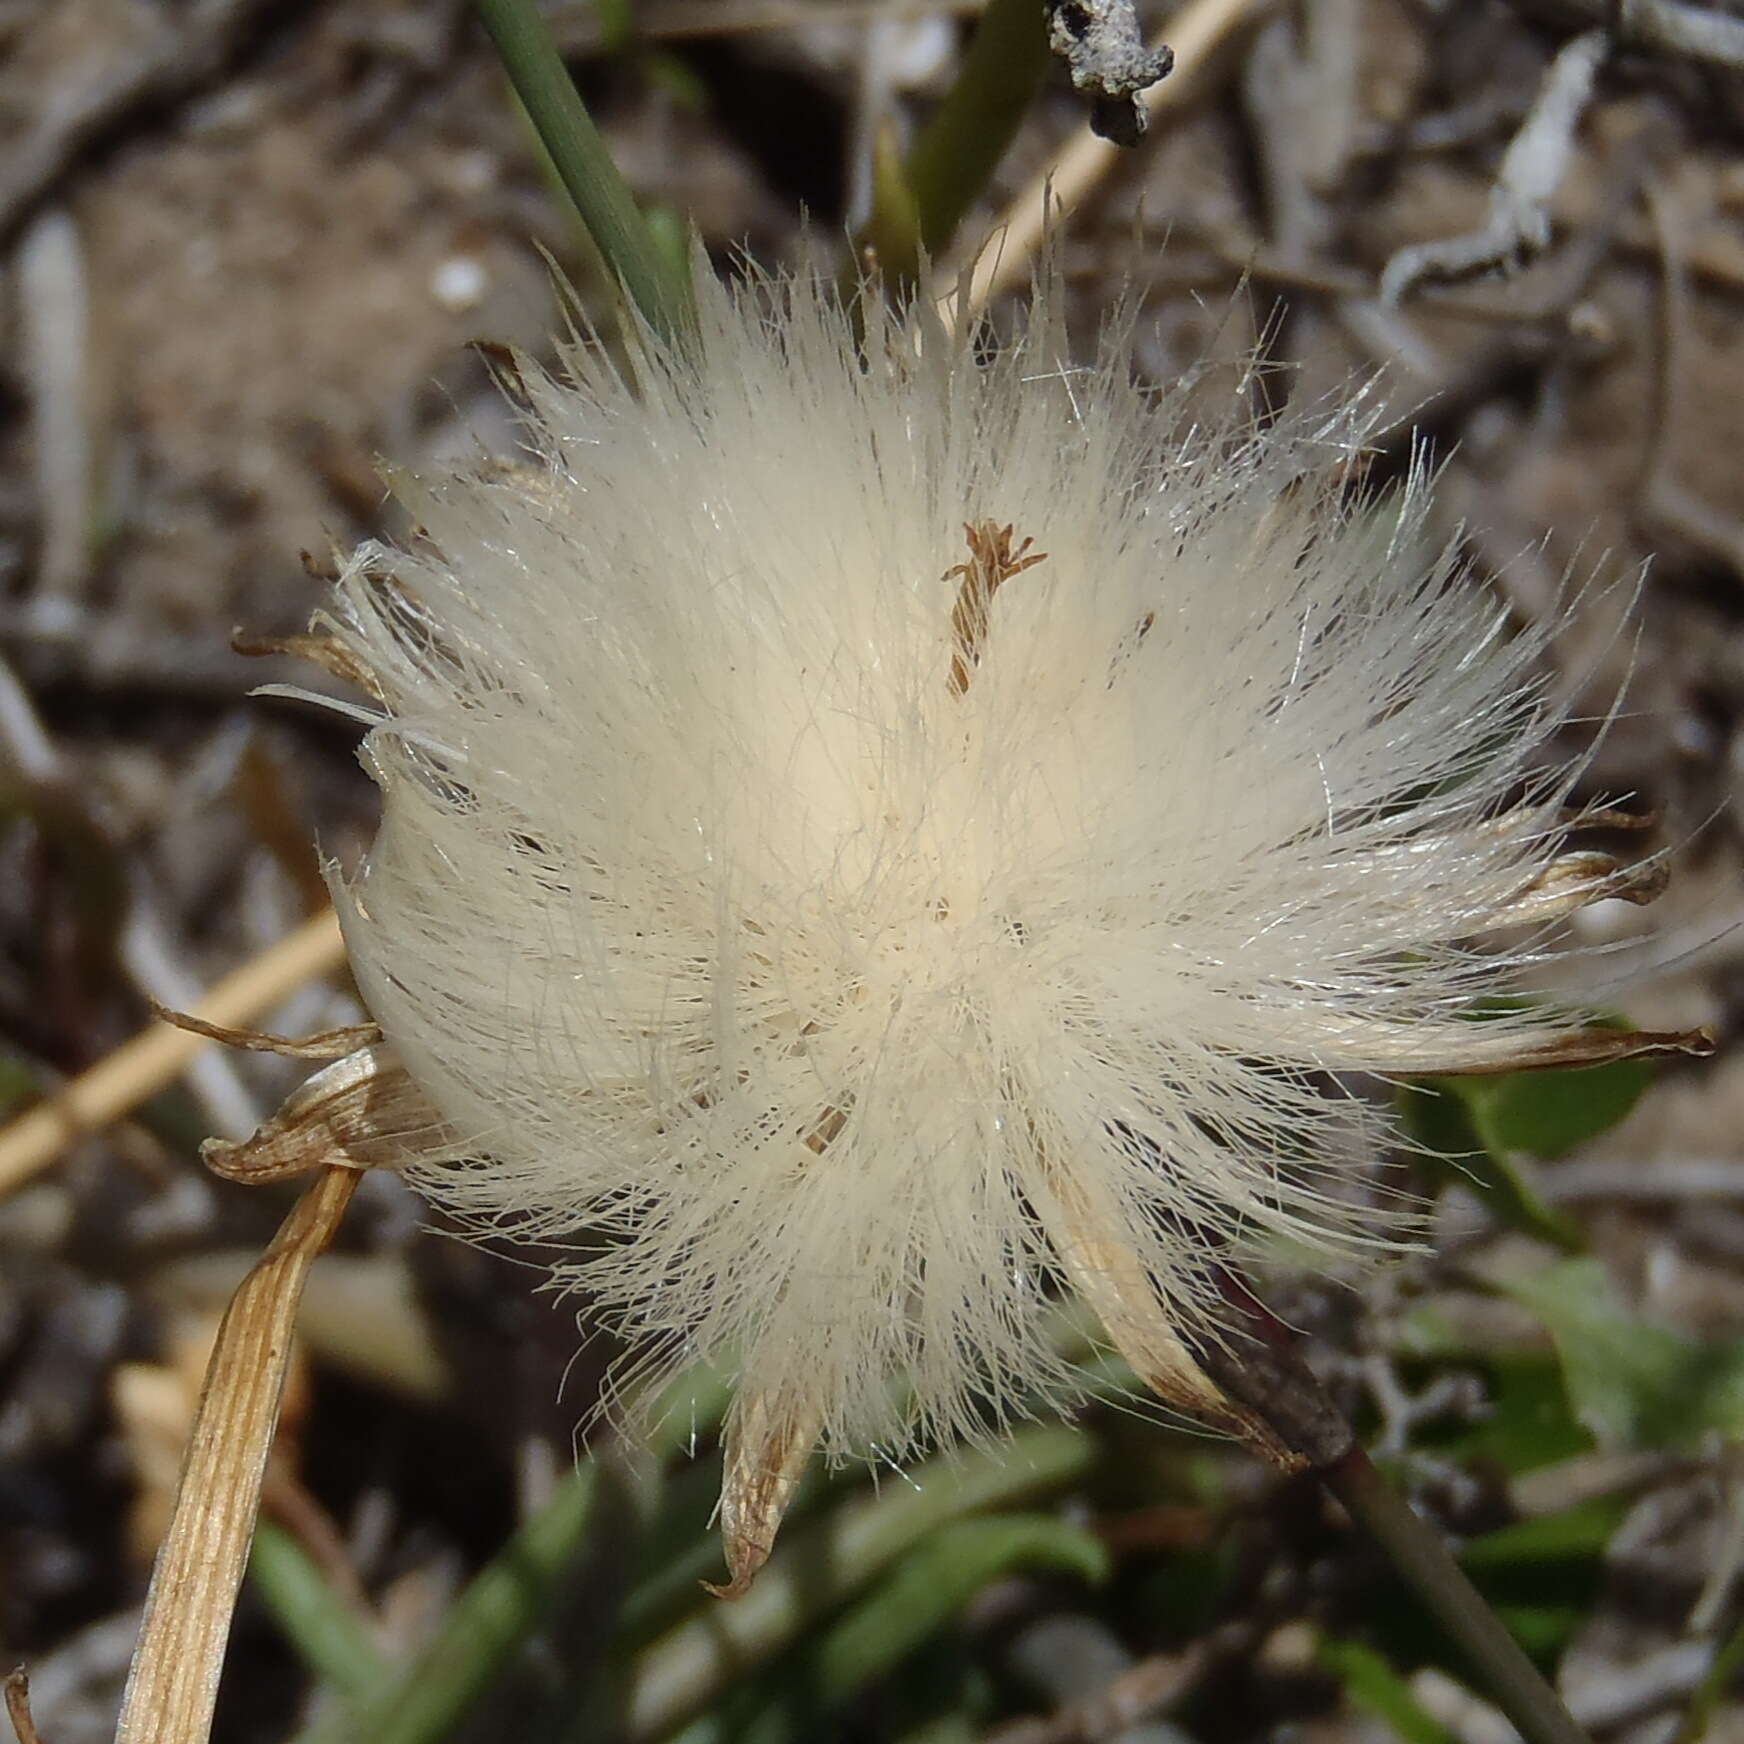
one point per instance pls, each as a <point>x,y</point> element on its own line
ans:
<point>879,833</point>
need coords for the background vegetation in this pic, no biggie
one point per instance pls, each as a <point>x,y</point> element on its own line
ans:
<point>249,249</point>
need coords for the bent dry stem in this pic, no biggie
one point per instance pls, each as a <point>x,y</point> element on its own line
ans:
<point>172,1687</point>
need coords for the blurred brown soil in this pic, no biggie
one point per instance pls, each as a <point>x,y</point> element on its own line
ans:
<point>247,283</point>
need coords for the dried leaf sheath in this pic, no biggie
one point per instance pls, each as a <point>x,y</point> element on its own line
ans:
<point>362,1110</point>
<point>769,1444</point>
<point>173,1684</point>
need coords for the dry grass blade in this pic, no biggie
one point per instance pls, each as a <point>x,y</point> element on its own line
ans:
<point>143,1066</point>
<point>173,1685</point>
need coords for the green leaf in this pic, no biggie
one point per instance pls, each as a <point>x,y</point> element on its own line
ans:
<point>1474,1129</point>
<point>1545,1631</point>
<point>1187,1591</point>
<point>1631,1382</point>
<point>928,1588</point>
<point>1543,1576</point>
<point>1548,1114</point>
<point>617,25</point>
<point>1374,1686</point>
<point>831,1563</point>
<point>1528,1422</point>
<point>483,1630</point>
<point>1443,1120</point>
<point>1575,1534</point>
<point>329,1636</point>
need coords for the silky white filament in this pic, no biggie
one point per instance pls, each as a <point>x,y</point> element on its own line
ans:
<point>873,829</point>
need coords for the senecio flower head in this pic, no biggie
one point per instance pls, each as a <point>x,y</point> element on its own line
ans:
<point>881,832</point>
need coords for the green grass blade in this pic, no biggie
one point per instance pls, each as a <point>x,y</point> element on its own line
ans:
<point>660,289</point>
<point>329,1636</point>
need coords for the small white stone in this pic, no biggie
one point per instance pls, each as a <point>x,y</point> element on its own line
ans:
<point>922,51</point>
<point>459,283</point>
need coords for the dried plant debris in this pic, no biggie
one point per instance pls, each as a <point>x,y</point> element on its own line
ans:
<point>1516,225</point>
<point>1105,51</point>
<point>249,249</point>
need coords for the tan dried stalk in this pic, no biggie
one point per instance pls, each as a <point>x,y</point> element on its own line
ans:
<point>156,1056</point>
<point>173,1684</point>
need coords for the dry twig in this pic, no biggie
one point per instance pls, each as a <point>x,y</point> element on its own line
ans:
<point>1517,225</point>
<point>156,1056</point>
<point>1663,504</point>
<point>54,354</point>
<point>1695,32</point>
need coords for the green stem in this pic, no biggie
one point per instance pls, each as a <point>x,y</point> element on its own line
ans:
<point>961,145</point>
<point>483,1630</point>
<point>1423,1561</point>
<point>918,203</point>
<point>661,292</point>
<point>1268,1378</point>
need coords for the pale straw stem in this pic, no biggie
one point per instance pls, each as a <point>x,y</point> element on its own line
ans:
<point>172,1687</point>
<point>160,1053</point>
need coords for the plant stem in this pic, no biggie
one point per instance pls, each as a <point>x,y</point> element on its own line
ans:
<point>962,143</point>
<point>659,290</point>
<point>1265,1375</point>
<point>1425,1564</point>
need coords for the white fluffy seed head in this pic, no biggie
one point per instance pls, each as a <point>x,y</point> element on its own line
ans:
<point>816,956</point>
